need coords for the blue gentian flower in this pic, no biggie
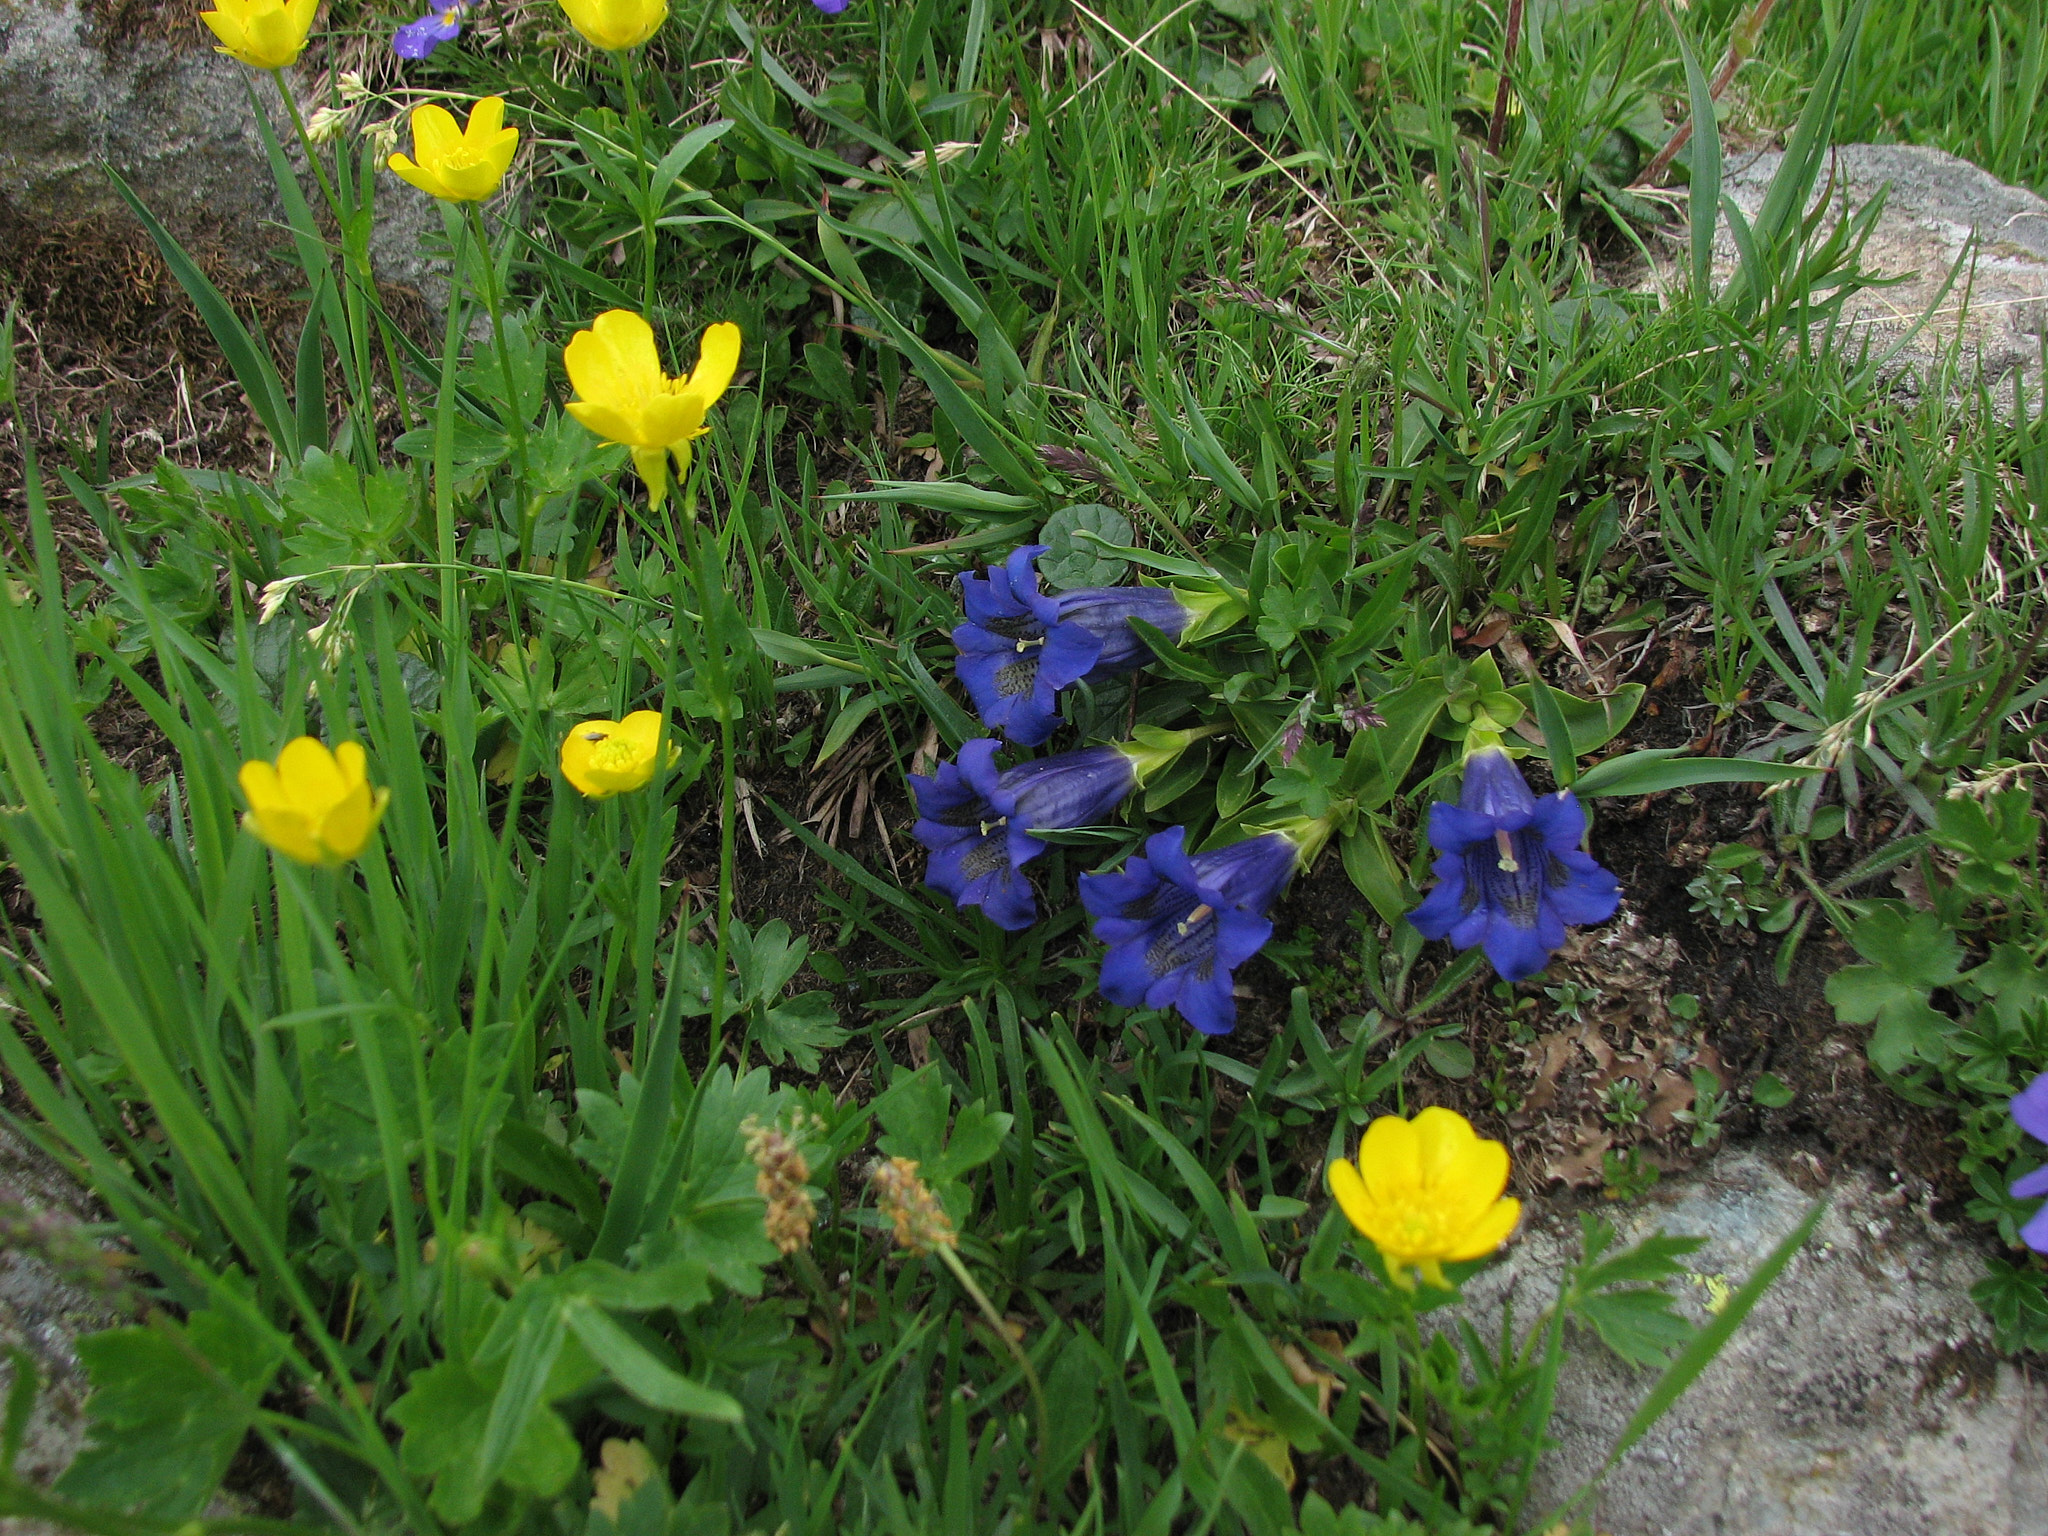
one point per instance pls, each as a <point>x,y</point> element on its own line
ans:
<point>978,822</point>
<point>1013,659</point>
<point>417,39</point>
<point>1512,877</point>
<point>2030,1113</point>
<point>830,7</point>
<point>1106,613</point>
<point>1177,926</point>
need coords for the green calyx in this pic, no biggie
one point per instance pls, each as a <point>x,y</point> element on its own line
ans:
<point>1212,608</point>
<point>1151,749</point>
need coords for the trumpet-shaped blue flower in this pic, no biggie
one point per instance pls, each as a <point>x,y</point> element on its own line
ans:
<point>1106,613</point>
<point>1512,877</point>
<point>417,39</point>
<point>1014,657</point>
<point>1177,926</point>
<point>2030,1113</point>
<point>978,822</point>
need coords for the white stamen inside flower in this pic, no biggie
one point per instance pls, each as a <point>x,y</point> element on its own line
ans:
<point>1193,919</point>
<point>1505,844</point>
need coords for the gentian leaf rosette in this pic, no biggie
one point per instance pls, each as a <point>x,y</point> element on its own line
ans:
<point>1513,876</point>
<point>2030,1113</point>
<point>1013,662</point>
<point>977,821</point>
<point>1178,926</point>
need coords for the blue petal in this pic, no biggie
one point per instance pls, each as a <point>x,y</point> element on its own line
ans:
<point>1125,976</point>
<point>1239,936</point>
<point>1107,895</point>
<point>1208,1005</point>
<point>1250,873</point>
<point>1591,895</point>
<point>1452,830</point>
<point>2035,1233</point>
<point>1005,899</point>
<point>1444,905</point>
<point>1067,656</point>
<point>1494,788</point>
<point>1071,789</point>
<point>1106,612</point>
<point>1560,821</point>
<point>2030,1186</point>
<point>1515,953</point>
<point>1004,699</point>
<point>2030,1108</point>
<point>1166,853</point>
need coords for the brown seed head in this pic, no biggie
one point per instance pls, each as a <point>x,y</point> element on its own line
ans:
<point>921,1223</point>
<point>1072,463</point>
<point>781,1178</point>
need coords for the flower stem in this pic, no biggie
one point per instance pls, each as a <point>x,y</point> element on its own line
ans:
<point>515,417</point>
<point>727,815</point>
<point>954,1262</point>
<point>645,175</point>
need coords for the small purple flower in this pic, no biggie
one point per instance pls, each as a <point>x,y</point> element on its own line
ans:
<point>2030,1113</point>
<point>1014,657</point>
<point>978,822</point>
<point>1512,877</point>
<point>830,7</point>
<point>417,39</point>
<point>1177,927</point>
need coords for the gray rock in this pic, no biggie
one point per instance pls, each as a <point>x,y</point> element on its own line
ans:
<point>43,1312</point>
<point>1862,1397</point>
<point>179,125</point>
<point>1990,324</point>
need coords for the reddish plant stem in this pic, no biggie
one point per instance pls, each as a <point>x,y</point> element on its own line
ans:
<point>1497,128</point>
<point>1741,43</point>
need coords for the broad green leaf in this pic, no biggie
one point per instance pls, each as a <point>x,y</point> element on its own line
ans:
<point>444,1414</point>
<point>1916,948</point>
<point>168,1411</point>
<point>1067,564</point>
<point>633,1366</point>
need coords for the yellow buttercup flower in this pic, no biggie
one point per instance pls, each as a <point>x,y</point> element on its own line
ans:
<point>614,757</point>
<point>616,25</point>
<point>1427,1192</point>
<point>626,398</point>
<point>264,34</point>
<point>459,165</point>
<point>313,805</point>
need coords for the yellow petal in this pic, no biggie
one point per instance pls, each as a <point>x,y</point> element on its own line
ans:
<point>351,763</point>
<point>718,359</point>
<point>1390,1161</point>
<point>485,119</point>
<point>608,422</point>
<point>576,749</point>
<point>653,466</point>
<point>290,833</point>
<point>469,179</point>
<point>1489,1232</point>
<point>667,419</point>
<point>643,729</point>
<point>1441,1135</point>
<point>346,829</point>
<point>226,26</point>
<point>299,13</point>
<point>312,783</point>
<point>259,785</point>
<point>1349,1192</point>
<point>434,134</point>
<point>615,362</point>
<point>417,176</point>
